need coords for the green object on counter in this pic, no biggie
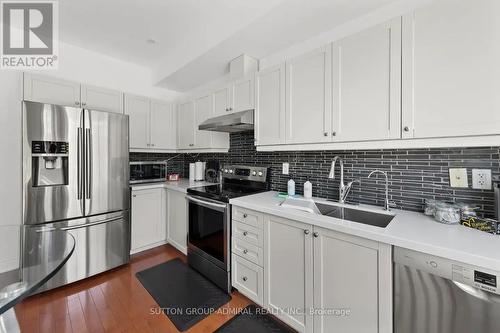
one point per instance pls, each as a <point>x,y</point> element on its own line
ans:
<point>285,195</point>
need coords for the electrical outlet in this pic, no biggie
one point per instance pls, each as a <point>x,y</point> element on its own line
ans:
<point>481,179</point>
<point>458,178</point>
<point>286,168</point>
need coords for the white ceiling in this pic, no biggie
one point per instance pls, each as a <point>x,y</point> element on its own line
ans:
<point>197,38</point>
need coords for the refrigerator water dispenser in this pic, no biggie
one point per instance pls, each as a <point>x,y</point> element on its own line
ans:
<point>49,163</point>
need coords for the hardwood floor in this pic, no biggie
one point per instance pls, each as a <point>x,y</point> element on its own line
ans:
<point>114,301</point>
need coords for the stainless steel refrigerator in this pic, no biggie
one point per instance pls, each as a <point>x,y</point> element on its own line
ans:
<point>76,178</point>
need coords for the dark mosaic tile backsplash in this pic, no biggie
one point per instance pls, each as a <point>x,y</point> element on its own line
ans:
<point>414,174</point>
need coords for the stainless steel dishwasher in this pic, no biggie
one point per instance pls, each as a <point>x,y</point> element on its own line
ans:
<point>437,295</point>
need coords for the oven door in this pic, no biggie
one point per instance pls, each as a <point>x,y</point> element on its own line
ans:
<point>209,231</point>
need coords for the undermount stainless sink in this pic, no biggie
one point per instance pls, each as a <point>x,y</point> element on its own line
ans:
<point>355,215</point>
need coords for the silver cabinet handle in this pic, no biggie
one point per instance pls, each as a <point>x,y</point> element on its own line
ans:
<point>334,133</point>
<point>84,103</point>
<point>406,129</point>
<point>245,251</point>
<point>245,216</point>
<point>325,133</point>
<point>77,103</point>
<point>134,195</point>
<point>245,233</point>
<point>315,234</point>
<point>306,231</point>
<point>244,278</point>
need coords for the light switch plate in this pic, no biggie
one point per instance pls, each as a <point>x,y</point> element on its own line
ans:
<point>458,178</point>
<point>481,179</point>
<point>286,168</point>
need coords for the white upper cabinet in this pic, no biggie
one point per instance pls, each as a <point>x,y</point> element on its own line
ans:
<point>43,89</point>
<point>308,97</point>
<point>221,101</point>
<point>366,84</point>
<point>101,99</point>
<point>163,126</point>
<point>152,123</point>
<point>242,96</point>
<point>137,107</point>
<point>186,125</point>
<point>451,71</point>
<point>203,110</point>
<point>270,106</point>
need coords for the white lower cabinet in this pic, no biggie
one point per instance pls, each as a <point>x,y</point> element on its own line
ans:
<point>314,279</point>
<point>345,280</point>
<point>148,223</point>
<point>177,220</point>
<point>288,271</point>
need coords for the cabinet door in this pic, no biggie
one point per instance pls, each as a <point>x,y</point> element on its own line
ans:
<point>137,107</point>
<point>366,84</point>
<point>203,110</point>
<point>288,280</point>
<point>221,101</point>
<point>43,89</point>
<point>270,106</point>
<point>345,278</point>
<point>242,95</point>
<point>308,97</point>
<point>102,99</point>
<point>451,71</point>
<point>163,128</point>
<point>186,128</point>
<point>177,220</point>
<point>147,218</point>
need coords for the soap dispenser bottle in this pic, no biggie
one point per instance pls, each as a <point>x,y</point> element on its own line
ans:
<point>291,187</point>
<point>308,189</point>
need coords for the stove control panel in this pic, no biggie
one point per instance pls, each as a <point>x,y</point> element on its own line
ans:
<point>243,172</point>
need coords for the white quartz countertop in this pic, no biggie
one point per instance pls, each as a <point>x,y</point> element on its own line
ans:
<point>179,185</point>
<point>410,230</point>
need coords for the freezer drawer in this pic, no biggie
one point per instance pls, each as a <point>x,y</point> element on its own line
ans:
<point>101,243</point>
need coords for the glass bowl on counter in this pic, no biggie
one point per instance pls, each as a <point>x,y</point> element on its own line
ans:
<point>447,213</point>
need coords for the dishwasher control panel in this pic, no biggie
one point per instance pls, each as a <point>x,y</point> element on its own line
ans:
<point>449,269</point>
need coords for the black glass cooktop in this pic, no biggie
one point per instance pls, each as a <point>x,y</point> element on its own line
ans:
<point>224,192</point>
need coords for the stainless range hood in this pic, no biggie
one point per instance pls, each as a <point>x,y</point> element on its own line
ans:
<point>235,122</point>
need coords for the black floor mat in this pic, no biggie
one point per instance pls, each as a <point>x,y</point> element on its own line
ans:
<point>185,296</point>
<point>252,321</point>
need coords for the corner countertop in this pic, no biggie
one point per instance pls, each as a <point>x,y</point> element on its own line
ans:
<point>178,185</point>
<point>410,230</point>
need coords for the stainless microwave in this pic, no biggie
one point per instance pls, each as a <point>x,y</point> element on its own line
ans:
<point>148,172</point>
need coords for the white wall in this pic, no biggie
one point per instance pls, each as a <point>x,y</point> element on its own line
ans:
<point>381,15</point>
<point>10,167</point>
<point>81,65</point>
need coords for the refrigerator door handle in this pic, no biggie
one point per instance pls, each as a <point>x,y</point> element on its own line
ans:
<point>79,164</point>
<point>80,225</point>
<point>88,161</point>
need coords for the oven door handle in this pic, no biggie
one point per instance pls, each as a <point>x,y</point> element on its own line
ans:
<point>207,203</point>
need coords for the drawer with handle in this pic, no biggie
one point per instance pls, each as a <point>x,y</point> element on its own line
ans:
<point>248,233</point>
<point>253,218</point>
<point>248,251</point>
<point>248,278</point>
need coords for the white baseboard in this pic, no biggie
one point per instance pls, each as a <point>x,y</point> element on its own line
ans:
<point>148,247</point>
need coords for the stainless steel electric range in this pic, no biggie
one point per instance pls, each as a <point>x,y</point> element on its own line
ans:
<point>209,236</point>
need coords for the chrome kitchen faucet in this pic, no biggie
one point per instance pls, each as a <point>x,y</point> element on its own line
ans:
<point>344,189</point>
